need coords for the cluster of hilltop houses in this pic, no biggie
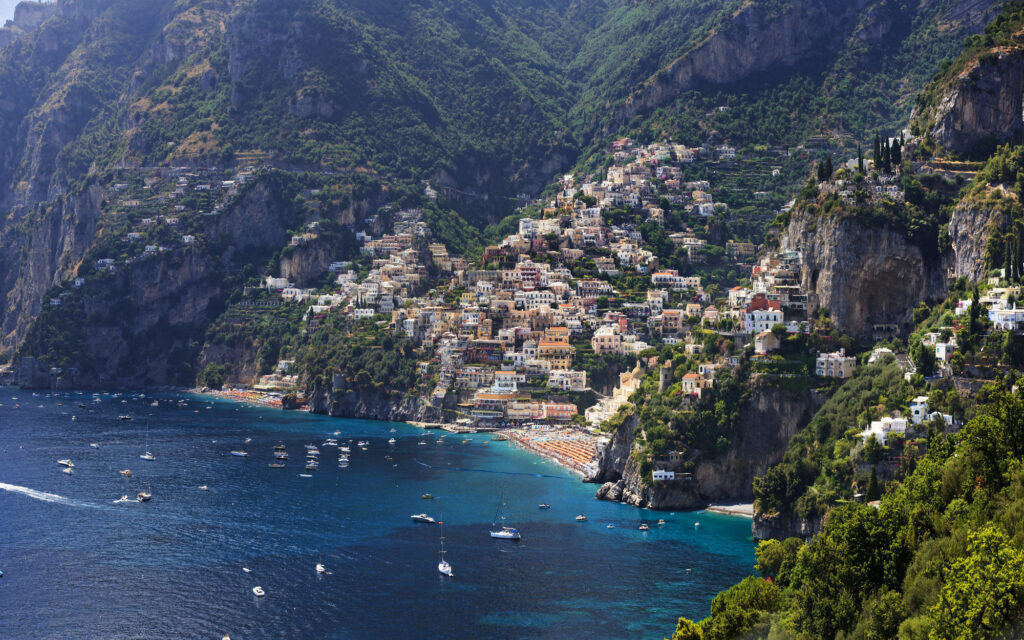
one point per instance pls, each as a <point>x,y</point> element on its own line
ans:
<point>506,333</point>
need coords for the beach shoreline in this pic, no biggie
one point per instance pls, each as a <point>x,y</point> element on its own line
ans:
<point>743,510</point>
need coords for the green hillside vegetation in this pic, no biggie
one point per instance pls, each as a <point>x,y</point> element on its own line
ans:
<point>940,558</point>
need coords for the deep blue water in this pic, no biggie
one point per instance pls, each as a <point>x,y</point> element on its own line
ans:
<point>78,565</point>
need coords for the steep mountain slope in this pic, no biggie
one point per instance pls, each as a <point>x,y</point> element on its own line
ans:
<point>484,98</point>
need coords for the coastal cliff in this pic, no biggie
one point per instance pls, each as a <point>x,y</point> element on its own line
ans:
<point>770,419</point>
<point>378,404</point>
<point>862,272</point>
<point>973,223</point>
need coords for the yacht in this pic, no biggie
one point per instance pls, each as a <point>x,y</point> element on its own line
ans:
<point>320,568</point>
<point>148,456</point>
<point>330,442</point>
<point>246,570</point>
<point>276,465</point>
<point>144,496</point>
<point>259,592</point>
<point>661,521</point>
<point>66,463</point>
<point>345,449</point>
<point>278,447</point>
<point>544,506</point>
<point>312,452</point>
<point>124,417</point>
<point>281,455</point>
<point>422,517</point>
<point>427,496</point>
<point>342,458</point>
<point>94,445</point>
<point>305,475</point>
<point>581,518</point>
<point>312,465</point>
<point>504,533</point>
<point>611,525</point>
<point>203,487</point>
<point>421,442</point>
<point>240,453</point>
<point>392,441</point>
<point>310,447</point>
<point>363,443</point>
<point>644,527</point>
<point>68,470</point>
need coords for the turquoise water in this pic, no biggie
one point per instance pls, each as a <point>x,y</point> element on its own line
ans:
<point>77,564</point>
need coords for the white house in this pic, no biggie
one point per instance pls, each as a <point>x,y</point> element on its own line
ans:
<point>662,474</point>
<point>919,409</point>
<point>885,427</point>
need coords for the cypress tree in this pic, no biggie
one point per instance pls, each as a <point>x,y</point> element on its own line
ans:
<point>874,491</point>
<point>829,169</point>
<point>886,156</point>
<point>821,171</point>
<point>897,153</point>
<point>860,159</point>
<point>878,152</point>
<point>1008,257</point>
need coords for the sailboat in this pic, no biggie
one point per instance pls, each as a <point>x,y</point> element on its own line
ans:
<point>442,564</point>
<point>504,533</point>
<point>147,456</point>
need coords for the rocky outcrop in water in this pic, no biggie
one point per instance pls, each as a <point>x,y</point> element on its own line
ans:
<point>770,420</point>
<point>862,272</point>
<point>377,404</point>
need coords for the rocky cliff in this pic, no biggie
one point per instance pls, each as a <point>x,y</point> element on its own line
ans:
<point>40,251</point>
<point>983,104</point>
<point>972,224</point>
<point>381,404</point>
<point>862,272</point>
<point>770,420</point>
<point>759,38</point>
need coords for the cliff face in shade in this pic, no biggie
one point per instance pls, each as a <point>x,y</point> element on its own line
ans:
<point>863,273</point>
<point>983,104</point>
<point>757,39</point>
<point>770,420</point>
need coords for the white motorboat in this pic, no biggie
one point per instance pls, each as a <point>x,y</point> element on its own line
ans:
<point>246,570</point>
<point>259,592</point>
<point>148,456</point>
<point>611,526</point>
<point>345,449</point>
<point>66,463</point>
<point>392,441</point>
<point>644,527</point>
<point>305,475</point>
<point>240,453</point>
<point>422,517</point>
<point>68,470</point>
<point>581,518</point>
<point>144,496</point>
<point>203,487</point>
<point>320,568</point>
<point>94,445</point>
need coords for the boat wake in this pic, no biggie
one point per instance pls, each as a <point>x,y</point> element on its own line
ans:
<point>43,496</point>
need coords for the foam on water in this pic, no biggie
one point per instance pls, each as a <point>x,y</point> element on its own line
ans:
<point>43,496</point>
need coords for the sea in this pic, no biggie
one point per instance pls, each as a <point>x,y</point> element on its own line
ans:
<point>78,561</point>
